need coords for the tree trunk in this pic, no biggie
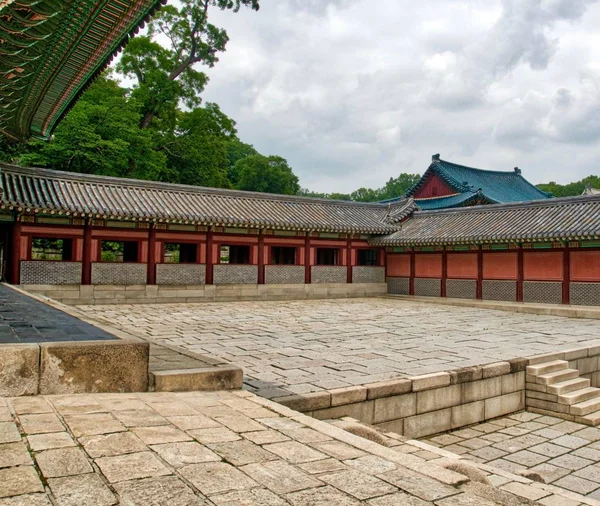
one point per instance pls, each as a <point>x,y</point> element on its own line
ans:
<point>146,120</point>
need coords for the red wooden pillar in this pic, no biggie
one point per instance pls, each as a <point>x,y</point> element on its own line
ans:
<point>411,280</point>
<point>566,286</point>
<point>261,258</point>
<point>209,258</point>
<point>86,261</point>
<point>307,279</point>
<point>480,273</point>
<point>520,274</point>
<point>349,261</point>
<point>151,275</point>
<point>16,253</point>
<point>444,272</point>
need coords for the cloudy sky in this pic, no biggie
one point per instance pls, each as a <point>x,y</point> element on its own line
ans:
<point>353,92</point>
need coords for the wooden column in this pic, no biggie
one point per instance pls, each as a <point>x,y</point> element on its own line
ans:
<point>520,275</point>
<point>349,260</point>
<point>307,279</point>
<point>86,261</point>
<point>209,258</point>
<point>151,264</point>
<point>411,280</point>
<point>444,272</point>
<point>16,253</point>
<point>566,286</point>
<point>480,273</point>
<point>261,258</point>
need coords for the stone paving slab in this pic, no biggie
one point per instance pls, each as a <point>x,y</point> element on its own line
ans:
<point>562,453</point>
<point>25,320</point>
<point>258,453</point>
<point>300,347</point>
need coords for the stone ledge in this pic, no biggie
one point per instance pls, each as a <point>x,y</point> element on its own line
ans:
<point>19,369</point>
<point>200,379</point>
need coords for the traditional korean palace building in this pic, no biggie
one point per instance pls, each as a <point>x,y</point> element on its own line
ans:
<point>460,232</point>
<point>64,231</point>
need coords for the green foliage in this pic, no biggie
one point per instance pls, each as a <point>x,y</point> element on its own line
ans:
<point>395,187</point>
<point>570,189</point>
<point>100,136</point>
<point>165,76</point>
<point>270,174</point>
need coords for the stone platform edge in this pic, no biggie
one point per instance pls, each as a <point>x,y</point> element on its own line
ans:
<point>201,373</point>
<point>513,484</point>
<point>171,294</point>
<point>590,312</point>
<point>433,403</point>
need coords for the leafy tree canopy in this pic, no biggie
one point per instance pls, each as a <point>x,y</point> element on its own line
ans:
<point>270,174</point>
<point>570,189</point>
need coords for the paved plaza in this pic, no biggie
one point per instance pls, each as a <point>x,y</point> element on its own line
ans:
<point>298,347</point>
<point>563,453</point>
<point>215,449</point>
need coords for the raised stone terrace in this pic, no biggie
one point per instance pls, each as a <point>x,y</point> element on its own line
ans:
<point>299,347</point>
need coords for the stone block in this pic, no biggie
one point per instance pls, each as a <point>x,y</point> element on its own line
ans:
<point>467,414</point>
<point>518,364</point>
<point>504,404</point>
<point>306,402</point>
<point>576,353</point>
<point>496,369</point>
<point>19,370</point>
<point>427,381</point>
<point>362,411</point>
<point>393,408</point>
<point>396,426</point>
<point>465,375</point>
<point>438,398</point>
<point>427,424</point>
<point>348,395</point>
<point>201,379</point>
<point>388,388</point>
<point>546,357</point>
<point>483,389</point>
<point>93,366</point>
<point>587,365</point>
<point>513,382</point>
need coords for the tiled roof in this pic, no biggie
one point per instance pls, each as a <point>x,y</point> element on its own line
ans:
<point>591,191</point>
<point>49,191</point>
<point>51,50</point>
<point>497,186</point>
<point>456,200</point>
<point>557,219</point>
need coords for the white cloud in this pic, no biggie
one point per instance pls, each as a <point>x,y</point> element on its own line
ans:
<point>353,92</point>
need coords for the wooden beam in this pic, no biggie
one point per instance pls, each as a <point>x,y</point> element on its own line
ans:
<point>209,258</point>
<point>151,265</point>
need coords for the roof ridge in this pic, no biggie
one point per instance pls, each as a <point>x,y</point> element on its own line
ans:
<point>507,172</point>
<point>552,202</point>
<point>184,188</point>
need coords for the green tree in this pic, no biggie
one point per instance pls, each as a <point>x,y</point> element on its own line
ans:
<point>196,150</point>
<point>236,150</point>
<point>270,174</point>
<point>396,187</point>
<point>166,76</point>
<point>570,189</point>
<point>100,135</point>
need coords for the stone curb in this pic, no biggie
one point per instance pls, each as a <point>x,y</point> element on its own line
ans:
<point>591,312</point>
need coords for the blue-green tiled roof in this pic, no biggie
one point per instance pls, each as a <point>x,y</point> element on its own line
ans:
<point>495,185</point>
<point>456,200</point>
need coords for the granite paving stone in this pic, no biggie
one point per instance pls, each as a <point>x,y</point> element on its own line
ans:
<point>298,347</point>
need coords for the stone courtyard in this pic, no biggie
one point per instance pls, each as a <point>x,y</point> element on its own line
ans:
<point>220,449</point>
<point>299,347</point>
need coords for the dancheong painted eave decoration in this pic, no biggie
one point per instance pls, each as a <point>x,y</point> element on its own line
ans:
<point>50,50</point>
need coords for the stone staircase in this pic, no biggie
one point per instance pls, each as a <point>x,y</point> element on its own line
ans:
<point>552,388</point>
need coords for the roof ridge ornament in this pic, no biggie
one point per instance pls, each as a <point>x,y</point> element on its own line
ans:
<point>435,158</point>
<point>517,170</point>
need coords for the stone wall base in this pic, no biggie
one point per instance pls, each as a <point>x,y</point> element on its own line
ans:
<point>150,294</point>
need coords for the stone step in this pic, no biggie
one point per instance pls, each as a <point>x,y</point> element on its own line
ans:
<point>592,419</point>
<point>577,396</point>
<point>539,369</point>
<point>585,407</point>
<point>552,378</point>
<point>565,387</point>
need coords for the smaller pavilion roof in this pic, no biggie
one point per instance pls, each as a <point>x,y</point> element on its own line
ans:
<point>495,186</point>
<point>559,219</point>
<point>56,192</point>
